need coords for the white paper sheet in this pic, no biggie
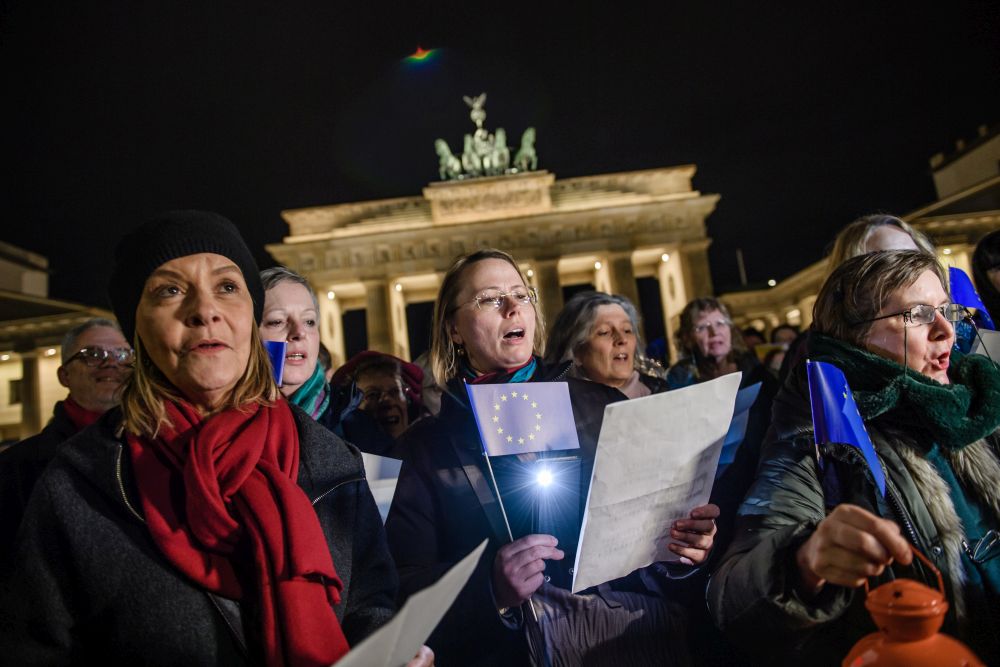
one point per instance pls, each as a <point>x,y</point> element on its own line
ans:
<point>656,461</point>
<point>397,642</point>
<point>992,344</point>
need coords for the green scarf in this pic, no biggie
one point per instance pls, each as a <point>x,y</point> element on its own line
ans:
<point>954,415</point>
<point>314,395</point>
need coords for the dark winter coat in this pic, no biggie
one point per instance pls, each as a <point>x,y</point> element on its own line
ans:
<point>20,467</point>
<point>89,586</point>
<point>752,594</point>
<point>445,506</point>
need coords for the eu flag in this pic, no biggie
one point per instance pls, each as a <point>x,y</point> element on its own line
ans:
<point>965,294</point>
<point>521,417</point>
<point>836,417</point>
<point>276,353</point>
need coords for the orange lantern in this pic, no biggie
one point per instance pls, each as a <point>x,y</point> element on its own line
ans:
<point>909,615</point>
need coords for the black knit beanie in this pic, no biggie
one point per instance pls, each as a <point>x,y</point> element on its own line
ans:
<point>168,236</point>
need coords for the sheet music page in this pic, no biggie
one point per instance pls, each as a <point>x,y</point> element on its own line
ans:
<point>656,461</point>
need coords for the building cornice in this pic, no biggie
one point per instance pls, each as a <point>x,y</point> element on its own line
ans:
<point>553,234</point>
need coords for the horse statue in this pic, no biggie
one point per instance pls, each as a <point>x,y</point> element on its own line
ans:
<point>471,162</point>
<point>500,159</point>
<point>449,166</point>
<point>526,159</point>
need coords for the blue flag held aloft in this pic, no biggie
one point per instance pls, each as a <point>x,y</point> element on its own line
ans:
<point>964,293</point>
<point>276,353</point>
<point>836,417</point>
<point>523,417</point>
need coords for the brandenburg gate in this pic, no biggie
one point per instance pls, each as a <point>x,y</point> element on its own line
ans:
<point>605,231</point>
<point>387,257</point>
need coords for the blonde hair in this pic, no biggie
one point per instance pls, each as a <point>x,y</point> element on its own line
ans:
<point>852,240</point>
<point>443,356</point>
<point>147,388</point>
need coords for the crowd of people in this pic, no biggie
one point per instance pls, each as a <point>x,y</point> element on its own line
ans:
<point>183,506</point>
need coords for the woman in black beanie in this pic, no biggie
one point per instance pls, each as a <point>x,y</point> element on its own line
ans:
<point>207,521</point>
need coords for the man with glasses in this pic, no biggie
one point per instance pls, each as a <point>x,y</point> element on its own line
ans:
<point>96,360</point>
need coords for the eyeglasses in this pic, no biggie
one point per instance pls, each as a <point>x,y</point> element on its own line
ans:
<point>95,356</point>
<point>718,324</point>
<point>376,395</point>
<point>924,314</point>
<point>983,549</point>
<point>493,299</point>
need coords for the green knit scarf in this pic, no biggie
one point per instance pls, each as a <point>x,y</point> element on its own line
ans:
<point>954,415</point>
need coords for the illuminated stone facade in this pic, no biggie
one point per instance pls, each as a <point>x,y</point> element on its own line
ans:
<point>968,208</point>
<point>32,327</point>
<point>605,230</point>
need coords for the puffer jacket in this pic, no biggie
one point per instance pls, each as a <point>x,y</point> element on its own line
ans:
<point>752,594</point>
<point>88,585</point>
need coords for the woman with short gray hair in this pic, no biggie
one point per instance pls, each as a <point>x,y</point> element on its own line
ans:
<point>598,334</point>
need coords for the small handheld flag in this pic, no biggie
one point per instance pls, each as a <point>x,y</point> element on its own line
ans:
<point>965,294</point>
<point>745,399</point>
<point>521,418</point>
<point>276,353</point>
<point>836,417</point>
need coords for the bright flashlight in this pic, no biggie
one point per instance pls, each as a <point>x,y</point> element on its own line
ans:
<point>544,477</point>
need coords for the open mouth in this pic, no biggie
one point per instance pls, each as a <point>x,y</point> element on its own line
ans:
<point>621,357</point>
<point>208,346</point>
<point>514,334</point>
<point>295,356</point>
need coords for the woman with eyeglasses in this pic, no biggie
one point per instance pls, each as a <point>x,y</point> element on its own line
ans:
<point>814,527</point>
<point>711,346</point>
<point>389,389</point>
<point>487,329</point>
<point>207,521</point>
<point>291,315</point>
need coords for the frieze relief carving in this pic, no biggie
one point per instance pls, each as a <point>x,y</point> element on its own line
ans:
<point>520,236</point>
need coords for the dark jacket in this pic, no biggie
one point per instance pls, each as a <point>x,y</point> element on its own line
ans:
<point>20,467</point>
<point>89,586</point>
<point>445,506</point>
<point>752,594</point>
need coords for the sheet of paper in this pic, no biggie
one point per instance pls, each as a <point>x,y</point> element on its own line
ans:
<point>656,460</point>
<point>396,642</point>
<point>992,344</point>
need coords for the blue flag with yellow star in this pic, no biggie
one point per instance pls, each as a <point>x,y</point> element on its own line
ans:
<point>836,417</point>
<point>523,417</point>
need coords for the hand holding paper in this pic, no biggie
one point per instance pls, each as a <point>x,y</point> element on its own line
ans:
<point>656,459</point>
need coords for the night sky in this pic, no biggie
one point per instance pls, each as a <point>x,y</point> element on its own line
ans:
<point>801,115</point>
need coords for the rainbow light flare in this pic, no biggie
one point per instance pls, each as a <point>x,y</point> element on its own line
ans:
<point>421,55</point>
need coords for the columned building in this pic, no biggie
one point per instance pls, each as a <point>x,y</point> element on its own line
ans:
<point>967,209</point>
<point>32,327</point>
<point>377,265</point>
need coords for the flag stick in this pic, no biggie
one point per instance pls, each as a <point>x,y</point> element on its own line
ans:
<point>506,523</point>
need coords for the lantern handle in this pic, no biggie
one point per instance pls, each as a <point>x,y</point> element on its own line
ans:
<point>927,562</point>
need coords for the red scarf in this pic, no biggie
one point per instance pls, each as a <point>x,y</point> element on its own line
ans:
<point>79,415</point>
<point>214,489</point>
